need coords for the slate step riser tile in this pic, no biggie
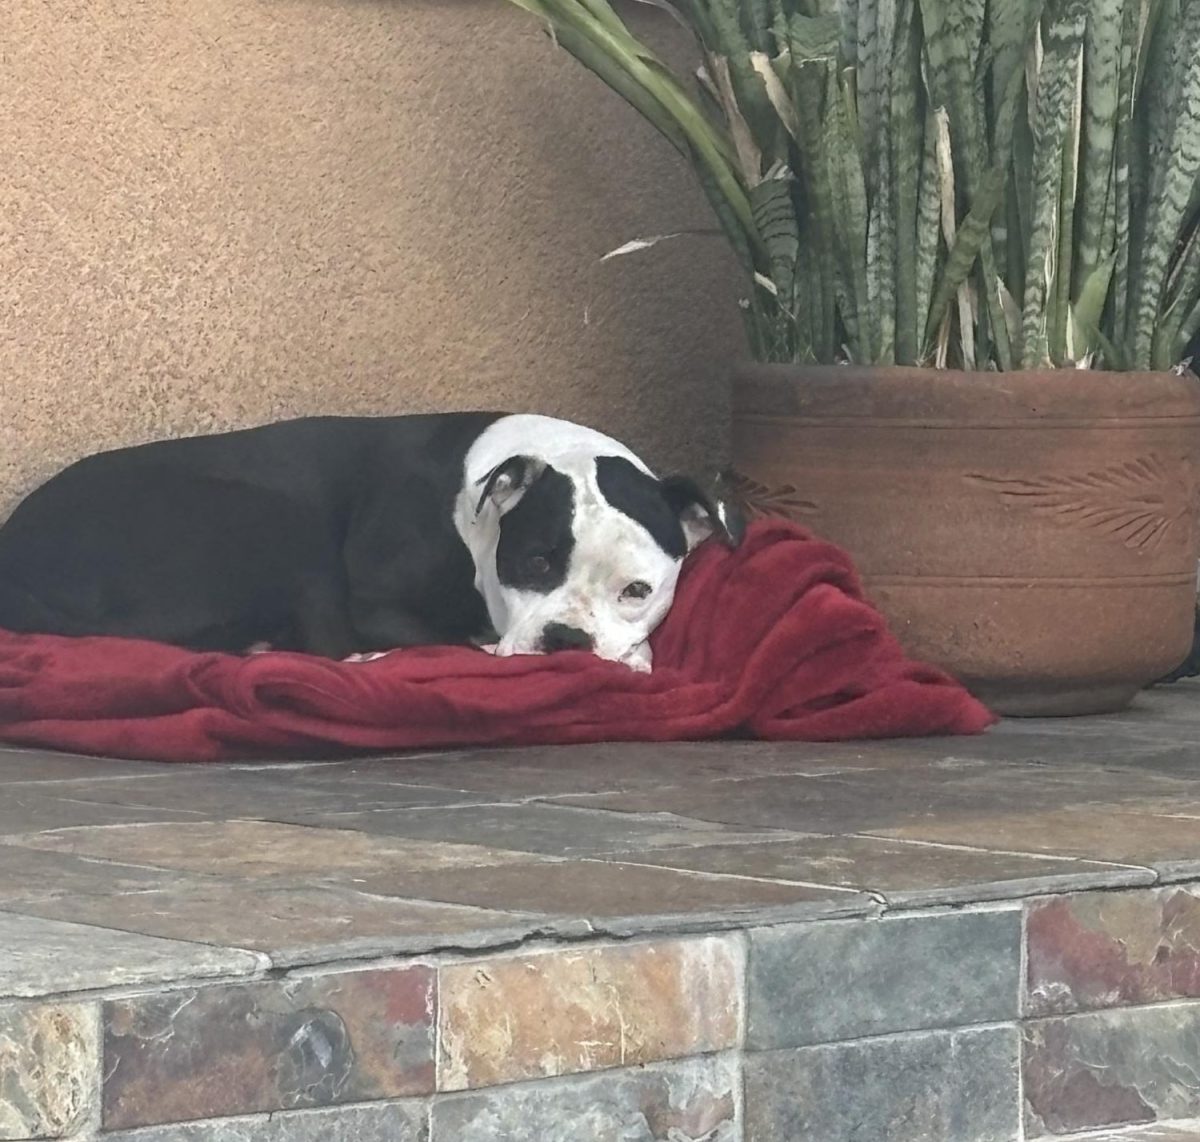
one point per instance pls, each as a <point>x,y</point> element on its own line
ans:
<point>924,1086</point>
<point>1096,950</point>
<point>688,1100</point>
<point>273,1045</point>
<point>311,1040</point>
<point>507,1019</point>
<point>685,1100</point>
<point>49,1069</point>
<point>915,998</point>
<point>1107,1069</point>
<point>902,1028</point>
<point>829,981</point>
<point>1111,990</point>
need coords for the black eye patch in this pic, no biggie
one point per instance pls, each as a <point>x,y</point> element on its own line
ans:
<point>536,536</point>
<point>628,489</point>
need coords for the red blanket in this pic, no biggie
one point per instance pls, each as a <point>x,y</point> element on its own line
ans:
<point>773,640</point>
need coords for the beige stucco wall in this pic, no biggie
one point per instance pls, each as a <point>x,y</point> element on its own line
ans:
<point>219,212</point>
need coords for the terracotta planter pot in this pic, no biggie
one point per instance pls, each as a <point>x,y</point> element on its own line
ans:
<point>1033,533</point>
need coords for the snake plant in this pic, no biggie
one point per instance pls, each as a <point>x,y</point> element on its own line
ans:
<point>983,184</point>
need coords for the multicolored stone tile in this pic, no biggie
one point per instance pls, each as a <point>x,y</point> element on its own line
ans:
<point>548,771</point>
<point>555,830</point>
<point>49,1060</point>
<point>931,1086</point>
<point>1108,949</point>
<point>647,899</point>
<point>1112,1068</point>
<point>44,957</point>
<point>695,1100</point>
<point>853,802</point>
<point>1125,833</point>
<point>220,793</point>
<point>289,924</point>
<point>279,1045</point>
<point>34,808</point>
<point>832,980</point>
<point>257,849</point>
<point>406,1121</point>
<point>587,1008</point>
<point>797,804</point>
<point>907,874</point>
<point>30,874</point>
<point>21,765</point>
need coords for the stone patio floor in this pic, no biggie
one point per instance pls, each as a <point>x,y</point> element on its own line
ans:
<point>960,940</point>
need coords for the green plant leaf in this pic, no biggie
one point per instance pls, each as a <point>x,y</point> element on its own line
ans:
<point>803,111</point>
<point>866,54</point>
<point>732,44</point>
<point>1057,85</point>
<point>843,150</point>
<point>1087,312</point>
<point>1100,105</point>
<point>1184,294</point>
<point>906,153</point>
<point>1061,312</point>
<point>928,237</point>
<point>1123,151</point>
<point>953,41</point>
<point>634,72</point>
<point>983,183</point>
<point>881,195</point>
<point>775,214</point>
<point>812,37</point>
<point>848,15</point>
<point>1175,168</point>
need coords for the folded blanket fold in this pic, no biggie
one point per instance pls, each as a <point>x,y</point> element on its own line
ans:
<point>774,640</point>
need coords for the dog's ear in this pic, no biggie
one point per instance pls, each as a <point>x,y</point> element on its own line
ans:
<point>505,483</point>
<point>704,511</point>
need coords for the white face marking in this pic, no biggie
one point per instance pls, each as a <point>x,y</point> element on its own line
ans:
<point>611,549</point>
<point>611,552</point>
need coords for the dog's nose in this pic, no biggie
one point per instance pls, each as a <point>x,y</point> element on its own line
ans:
<point>559,636</point>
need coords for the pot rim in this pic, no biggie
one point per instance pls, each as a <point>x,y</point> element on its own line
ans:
<point>951,395</point>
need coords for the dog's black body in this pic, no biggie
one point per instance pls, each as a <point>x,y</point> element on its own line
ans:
<point>328,535</point>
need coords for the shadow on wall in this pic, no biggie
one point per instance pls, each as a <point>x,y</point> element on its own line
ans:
<point>224,212</point>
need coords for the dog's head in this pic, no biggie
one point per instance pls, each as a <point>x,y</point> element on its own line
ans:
<point>587,551</point>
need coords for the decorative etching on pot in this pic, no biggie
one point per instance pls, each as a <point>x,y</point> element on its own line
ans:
<point>760,501</point>
<point>1138,502</point>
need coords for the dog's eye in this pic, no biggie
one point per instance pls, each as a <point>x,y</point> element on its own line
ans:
<point>638,589</point>
<point>538,564</point>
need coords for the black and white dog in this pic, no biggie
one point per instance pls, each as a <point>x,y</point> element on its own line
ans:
<point>345,535</point>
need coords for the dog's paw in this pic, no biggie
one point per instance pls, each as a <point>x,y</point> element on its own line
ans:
<point>491,648</point>
<point>640,658</point>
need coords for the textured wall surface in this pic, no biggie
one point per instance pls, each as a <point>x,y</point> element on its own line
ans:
<point>215,213</point>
